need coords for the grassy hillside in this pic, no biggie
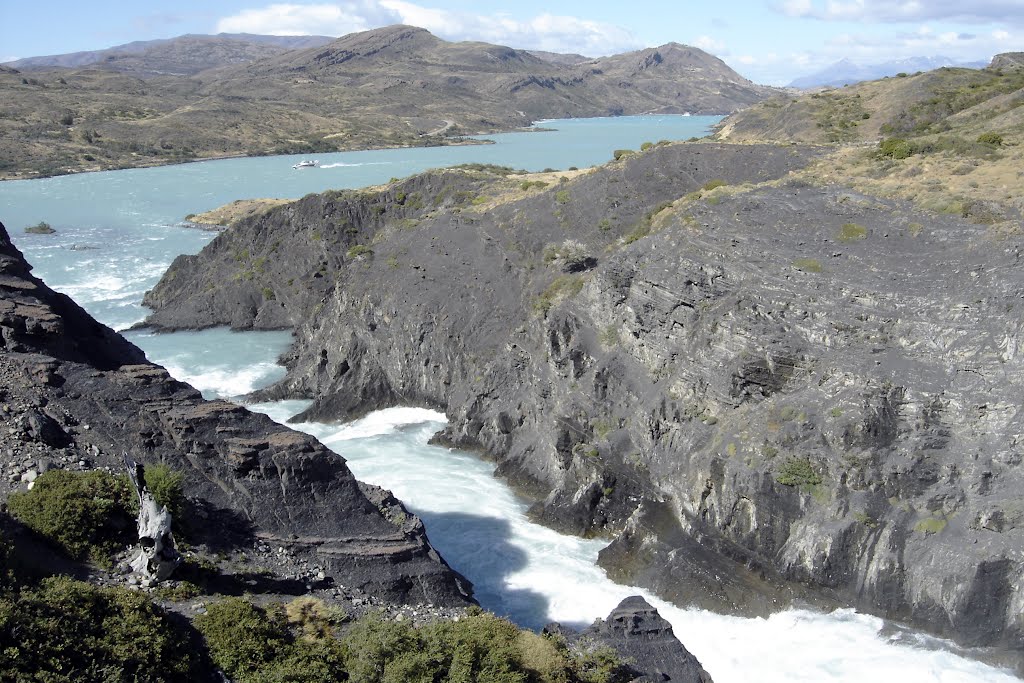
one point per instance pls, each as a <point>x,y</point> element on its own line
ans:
<point>948,139</point>
<point>396,86</point>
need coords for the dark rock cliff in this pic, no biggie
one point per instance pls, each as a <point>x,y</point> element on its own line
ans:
<point>754,390</point>
<point>641,636</point>
<point>73,391</point>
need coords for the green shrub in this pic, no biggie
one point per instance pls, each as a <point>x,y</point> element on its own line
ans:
<point>797,472</point>
<point>852,232</point>
<point>930,525</point>
<point>621,153</point>
<point>646,146</point>
<point>67,630</point>
<point>297,643</point>
<point>643,229</point>
<point>562,287</point>
<point>527,184</point>
<point>242,638</point>
<point>165,485</point>
<point>990,138</point>
<point>600,665</point>
<point>378,649</point>
<point>808,265</point>
<point>358,250</point>
<point>83,513</point>
<point>895,148</point>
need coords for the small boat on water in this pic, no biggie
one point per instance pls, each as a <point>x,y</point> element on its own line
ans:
<point>308,163</point>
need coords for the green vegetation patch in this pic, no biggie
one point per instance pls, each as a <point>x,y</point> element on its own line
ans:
<point>895,148</point>
<point>66,630</point>
<point>562,287</point>
<point>807,265</point>
<point>85,514</point>
<point>852,232</point>
<point>990,138</point>
<point>530,184</point>
<point>952,91</point>
<point>357,250</point>
<point>300,643</point>
<point>797,472</point>
<point>491,169</point>
<point>930,525</point>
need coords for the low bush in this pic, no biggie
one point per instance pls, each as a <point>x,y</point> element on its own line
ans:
<point>299,643</point>
<point>990,138</point>
<point>358,250</point>
<point>527,184</point>
<point>852,232</point>
<point>895,148</point>
<point>165,485</point>
<point>67,630</point>
<point>244,639</point>
<point>85,514</point>
<point>808,265</point>
<point>797,472</point>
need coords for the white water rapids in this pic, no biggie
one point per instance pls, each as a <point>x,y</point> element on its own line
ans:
<point>534,575</point>
<point>117,232</point>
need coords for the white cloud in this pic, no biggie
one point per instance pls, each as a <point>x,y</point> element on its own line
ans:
<point>877,48</point>
<point>709,44</point>
<point>797,8</point>
<point>298,20</point>
<point>981,11</point>
<point>541,32</point>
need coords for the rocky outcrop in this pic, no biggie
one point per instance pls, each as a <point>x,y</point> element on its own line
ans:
<point>642,637</point>
<point>75,394</point>
<point>757,392</point>
<point>1007,61</point>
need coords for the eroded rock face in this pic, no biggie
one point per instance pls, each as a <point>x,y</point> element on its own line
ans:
<point>639,634</point>
<point>811,387</point>
<point>77,393</point>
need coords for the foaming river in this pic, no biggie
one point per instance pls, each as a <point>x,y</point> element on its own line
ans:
<point>117,233</point>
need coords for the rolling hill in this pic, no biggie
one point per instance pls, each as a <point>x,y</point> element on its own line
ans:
<point>393,86</point>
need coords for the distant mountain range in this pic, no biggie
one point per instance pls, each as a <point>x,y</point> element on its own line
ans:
<point>210,96</point>
<point>845,71</point>
<point>182,56</point>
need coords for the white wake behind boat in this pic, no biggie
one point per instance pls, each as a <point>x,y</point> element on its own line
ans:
<point>309,163</point>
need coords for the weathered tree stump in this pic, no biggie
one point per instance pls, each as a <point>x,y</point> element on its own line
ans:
<point>158,557</point>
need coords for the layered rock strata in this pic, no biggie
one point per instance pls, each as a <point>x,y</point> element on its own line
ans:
<point>75,394</point>
<point>754,390</point>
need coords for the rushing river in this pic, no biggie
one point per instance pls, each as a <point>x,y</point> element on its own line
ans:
<point>118,231</point>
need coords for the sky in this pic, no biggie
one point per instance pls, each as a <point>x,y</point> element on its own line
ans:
<point>768,41</point>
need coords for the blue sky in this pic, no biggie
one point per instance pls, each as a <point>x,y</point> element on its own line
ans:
<point>769,41</point>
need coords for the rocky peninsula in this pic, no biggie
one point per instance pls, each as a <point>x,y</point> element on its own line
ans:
<point>756,386</point>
